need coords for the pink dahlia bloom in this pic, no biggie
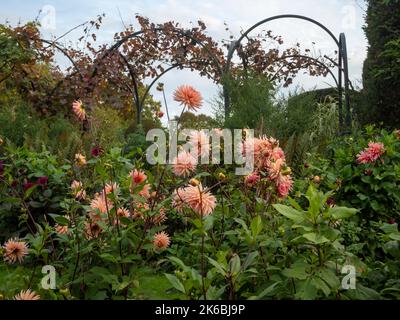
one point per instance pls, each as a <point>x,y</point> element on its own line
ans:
<point>161,240</point>
<point>138,177</point>
<point>27,295</point>
<point>184,164</point>
<point>77,190</point>
<point>201,202</point>
<point>15,250</point>
<point>284,184</point>
<point>252,179</point>
<point>177,201</point>
<point>112,188</point>
<point>145,192</point>
<point>200,142</point>
<point>369,155</point>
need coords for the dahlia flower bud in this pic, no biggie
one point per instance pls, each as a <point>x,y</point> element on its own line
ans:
<point>194,182</point>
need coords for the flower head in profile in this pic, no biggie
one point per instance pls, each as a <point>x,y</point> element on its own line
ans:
<point>177,200</point>
<point>92,230</point>
<point>14,250</point>
<point>184,164</point>
<point>200,201</point>
<point>369,155</point>
<point>159,218</point>
<point>79,110</point>
<point>252,179</point>
<point>161,240</point>
<point>123,212</point>
<point>80,160</point>
<point>138,177</point>
<point>27,295</point>
<point>189,97</point>
<point>77,190</point>
<point>145,192</point>
<point>61,229</point>
<point>284,184</point>
<point>100,206</point>
<point>112,188</point>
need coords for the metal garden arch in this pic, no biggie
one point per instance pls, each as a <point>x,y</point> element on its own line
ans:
<point>342,65</point>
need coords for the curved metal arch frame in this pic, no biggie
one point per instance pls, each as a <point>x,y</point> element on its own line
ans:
<point>139,101</point>
<point>343,69</point>
<point>314,61</point>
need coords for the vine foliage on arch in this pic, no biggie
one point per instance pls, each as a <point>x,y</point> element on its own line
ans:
<point>115,74</point>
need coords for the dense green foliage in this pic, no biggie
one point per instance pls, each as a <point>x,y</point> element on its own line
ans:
<point>381,78</point>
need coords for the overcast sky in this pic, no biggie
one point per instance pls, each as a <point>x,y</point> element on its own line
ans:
<point>338,15</point>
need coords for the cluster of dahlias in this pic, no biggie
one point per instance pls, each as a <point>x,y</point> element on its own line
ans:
<point>186,162</point>
<point>102,204</point>
<point>269,162</point>
<point>369,155</point>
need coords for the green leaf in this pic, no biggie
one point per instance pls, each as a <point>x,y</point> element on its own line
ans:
<point>108,257</point>
<point>314,200</point>
<point>234,264</point>
<point>307,291</point>
<point>395,236</point>
<point>220,268</point>
<point>315,238</point>
<point>10,200</point>
<point>268,292</point>
<point>178,262</point>
<point>176,283</point>
<point>330,278</point>
<point>342,212</point>
<point>293,203</point>
<point>61,220</point>
<point>297,271</point>
<point>320,284</point>
<point>29,192</point>
<point>250,260</point>
<point>289,212</point>
<point>389,228</point>
<point>256,226</point>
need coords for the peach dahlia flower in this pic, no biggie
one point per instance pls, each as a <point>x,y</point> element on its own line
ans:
<point>14,250</point>
<point>189,97</point>
<point>161,240</point>
<point>184,164</point>
<point>79,110</point>
<point>27,295</point>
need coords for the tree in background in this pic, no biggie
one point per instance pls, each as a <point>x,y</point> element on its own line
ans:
<point>381,77</point>
<point>189,120</point>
